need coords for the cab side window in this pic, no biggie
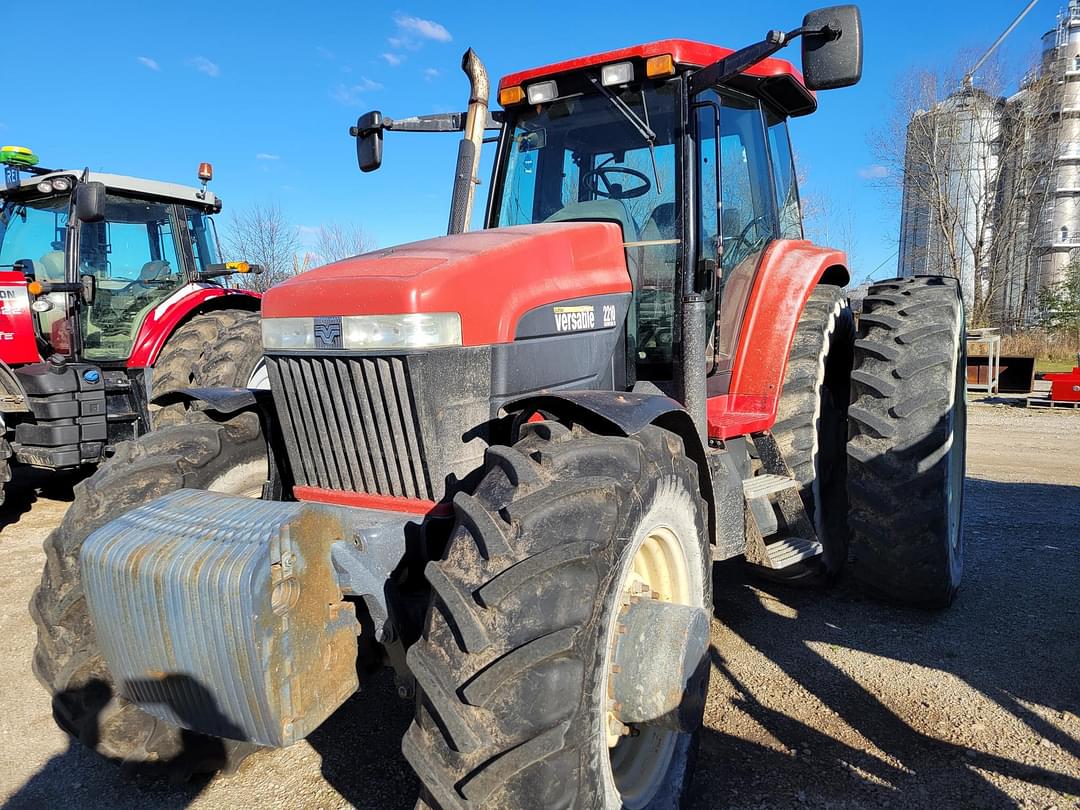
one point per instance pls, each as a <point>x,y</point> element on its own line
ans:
<point>748,221</point>
<point>787,188</point>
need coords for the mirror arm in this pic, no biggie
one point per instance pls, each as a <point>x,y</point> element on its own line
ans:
<point>745,58</point>
<point>435,122</point>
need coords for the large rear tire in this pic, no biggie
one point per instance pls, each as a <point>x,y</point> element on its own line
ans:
<point>223,457</point>
<point>218,349</point>
<point>516,662</point>
<point>907,441</point>
<point>811,424</point>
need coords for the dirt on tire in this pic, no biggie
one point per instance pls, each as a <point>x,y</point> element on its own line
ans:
<point>510,668</point>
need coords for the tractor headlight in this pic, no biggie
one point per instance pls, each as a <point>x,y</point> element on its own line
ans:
<point>369,332</point>
<point>418,330</point>
<point>288,333</point>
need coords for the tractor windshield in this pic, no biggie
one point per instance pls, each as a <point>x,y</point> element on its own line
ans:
<point>582,158</point>
<point>137,257</point>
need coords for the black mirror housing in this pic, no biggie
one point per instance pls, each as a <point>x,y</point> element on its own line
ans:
<point>90,202</point>
<point>832,51</point>
<point>26,267</point>
<point>369,141</point>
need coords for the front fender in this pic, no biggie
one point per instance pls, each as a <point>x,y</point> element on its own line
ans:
<point>624,413</point>
<point>184,304</point>
<point>226,401</point>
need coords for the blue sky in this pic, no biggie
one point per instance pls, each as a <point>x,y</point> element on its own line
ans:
<point>266,92</point>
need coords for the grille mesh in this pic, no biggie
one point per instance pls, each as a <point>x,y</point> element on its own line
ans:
<point>350,423</point>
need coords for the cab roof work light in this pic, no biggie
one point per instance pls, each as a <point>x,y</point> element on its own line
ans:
<point>17,156</point>
<point>619,73</point>
<point>542,92</point>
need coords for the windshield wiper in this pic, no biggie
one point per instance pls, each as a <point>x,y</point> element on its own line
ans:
<point>641,126</point>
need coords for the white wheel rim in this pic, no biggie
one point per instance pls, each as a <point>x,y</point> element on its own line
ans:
<point>244,480</point>
<point>639,763</point>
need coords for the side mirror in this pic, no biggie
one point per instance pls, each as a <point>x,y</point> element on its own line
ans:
<point>369,140</point>
<point>90,202</point>
<point>26,267</point>
<point>832,47</point>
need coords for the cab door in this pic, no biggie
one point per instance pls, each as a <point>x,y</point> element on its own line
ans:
<point>738,213</point>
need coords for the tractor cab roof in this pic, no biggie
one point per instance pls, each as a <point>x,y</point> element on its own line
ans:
<point>776,80</point>
<point>134,186</point>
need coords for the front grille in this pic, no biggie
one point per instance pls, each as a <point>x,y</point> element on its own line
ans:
<point>351,423</point>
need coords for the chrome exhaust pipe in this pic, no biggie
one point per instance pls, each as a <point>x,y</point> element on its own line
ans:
<point>468,160</point>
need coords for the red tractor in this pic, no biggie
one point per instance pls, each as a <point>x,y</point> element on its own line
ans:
<point>503,462</point>
<point>110,296</point>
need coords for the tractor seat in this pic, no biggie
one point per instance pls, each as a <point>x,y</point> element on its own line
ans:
<point>598,211</point>
<point>155,271</point>
<point>659,266</point>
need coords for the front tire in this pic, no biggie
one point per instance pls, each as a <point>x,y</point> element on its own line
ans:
<point>226,457</point>
<point>908,441</point>
<point>517,658</point>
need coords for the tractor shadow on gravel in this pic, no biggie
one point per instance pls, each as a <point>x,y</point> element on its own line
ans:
<point>1009,636</point>
<point>28,485</point>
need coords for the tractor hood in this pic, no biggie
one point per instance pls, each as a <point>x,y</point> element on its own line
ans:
<point>490,277</point>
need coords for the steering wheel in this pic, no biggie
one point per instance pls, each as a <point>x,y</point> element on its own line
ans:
<point>590,182</point>
<point>743,241</point>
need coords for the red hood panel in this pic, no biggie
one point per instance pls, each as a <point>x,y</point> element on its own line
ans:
<point>490,277</point>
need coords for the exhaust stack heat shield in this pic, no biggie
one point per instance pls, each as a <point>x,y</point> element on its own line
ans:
<point>223,615</point>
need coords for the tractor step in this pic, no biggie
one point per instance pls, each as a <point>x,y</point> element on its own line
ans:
<point>790,550</point>
<point>761,486</point>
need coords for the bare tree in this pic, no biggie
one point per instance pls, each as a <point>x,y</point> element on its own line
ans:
<point>262,235</point>
<point>970,174</point>
<point>335,242</point>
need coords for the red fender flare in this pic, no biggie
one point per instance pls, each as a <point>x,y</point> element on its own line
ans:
<point>186,302</point>
<point>787,274</point>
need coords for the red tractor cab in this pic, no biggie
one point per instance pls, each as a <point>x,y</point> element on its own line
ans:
<point>110,295</point>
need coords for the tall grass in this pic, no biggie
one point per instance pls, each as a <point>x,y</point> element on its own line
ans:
<point>1058,345</point>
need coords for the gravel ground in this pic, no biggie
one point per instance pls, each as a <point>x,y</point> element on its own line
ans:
<point>817,700</point>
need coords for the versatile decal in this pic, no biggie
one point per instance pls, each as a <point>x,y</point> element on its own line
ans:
<point>574,319</point>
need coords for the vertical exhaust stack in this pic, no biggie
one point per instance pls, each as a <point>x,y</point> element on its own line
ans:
<point>468,160</point>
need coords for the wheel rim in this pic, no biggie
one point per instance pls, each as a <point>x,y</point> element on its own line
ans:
<point>244,480</point>
<point>639,763</point>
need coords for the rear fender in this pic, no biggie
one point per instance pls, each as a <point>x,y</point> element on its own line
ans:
<point>180,307</point>
<point>788,273</point>
<point>625,414</point>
